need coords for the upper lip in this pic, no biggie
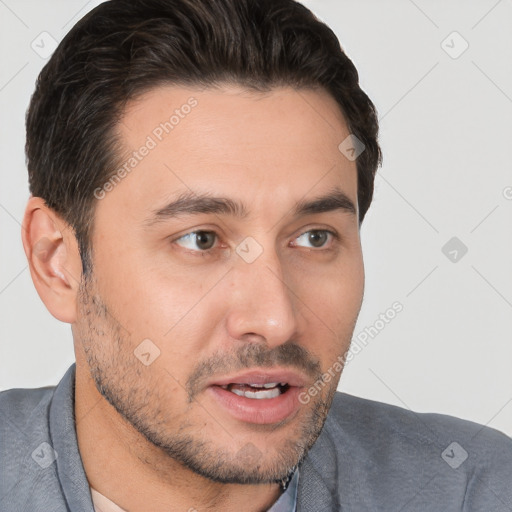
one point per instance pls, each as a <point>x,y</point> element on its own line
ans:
<point>261,376</point>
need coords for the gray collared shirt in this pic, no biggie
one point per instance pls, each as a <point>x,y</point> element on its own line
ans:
<point>369,456</point>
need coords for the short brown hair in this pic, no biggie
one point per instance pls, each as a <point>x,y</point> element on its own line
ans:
<point>123,48</point>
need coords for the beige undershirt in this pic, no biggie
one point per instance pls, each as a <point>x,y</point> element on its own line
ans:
<point>103,504</point>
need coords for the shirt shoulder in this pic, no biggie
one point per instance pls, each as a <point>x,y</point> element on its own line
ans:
<point>24,416</point>
<point>26,454</point>
<point>385,457</point>
<point>366,416</point>
<point>19,405</point>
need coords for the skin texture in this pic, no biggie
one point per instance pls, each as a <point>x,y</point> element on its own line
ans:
<point>153,437</point>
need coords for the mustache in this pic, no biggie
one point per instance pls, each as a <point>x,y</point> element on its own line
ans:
<point>250,356</point>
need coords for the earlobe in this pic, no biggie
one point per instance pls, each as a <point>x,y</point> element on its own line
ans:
<point>53,258</point>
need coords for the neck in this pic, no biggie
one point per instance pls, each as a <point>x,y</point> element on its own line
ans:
<point>136,475</point>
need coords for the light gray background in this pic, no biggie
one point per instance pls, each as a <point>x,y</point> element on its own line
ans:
<point>446,134</point>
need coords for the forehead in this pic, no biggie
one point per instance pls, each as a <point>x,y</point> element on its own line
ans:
<point>274,146</point>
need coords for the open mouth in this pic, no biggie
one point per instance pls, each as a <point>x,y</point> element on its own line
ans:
<point>258,391</point>
<point>259,396</point>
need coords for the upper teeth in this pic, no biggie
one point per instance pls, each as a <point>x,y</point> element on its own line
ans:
<point>268,390</point>
<point>266,386</point>
<point>262,393</point>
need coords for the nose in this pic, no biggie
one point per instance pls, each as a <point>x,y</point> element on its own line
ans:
<point>263,304</point>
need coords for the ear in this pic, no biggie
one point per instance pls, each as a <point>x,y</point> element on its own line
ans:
<point>53,257</point>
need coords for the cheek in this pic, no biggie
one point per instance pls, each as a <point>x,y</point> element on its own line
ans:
<point>148,297</point>
<point>332,303</point>
<point>335,292</point>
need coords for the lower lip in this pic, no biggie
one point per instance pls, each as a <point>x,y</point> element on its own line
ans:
<point>260,411</point>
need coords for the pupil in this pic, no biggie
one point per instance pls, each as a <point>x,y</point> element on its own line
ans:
<point>317,238</point>
<point>204,240</point>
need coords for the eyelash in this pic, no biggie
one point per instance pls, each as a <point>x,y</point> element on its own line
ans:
<point>208,252</point>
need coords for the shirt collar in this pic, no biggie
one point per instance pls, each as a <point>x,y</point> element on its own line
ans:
<point>70,470</point>
<point>287,502</point>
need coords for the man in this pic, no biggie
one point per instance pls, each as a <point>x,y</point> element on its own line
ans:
<point>199,171</point>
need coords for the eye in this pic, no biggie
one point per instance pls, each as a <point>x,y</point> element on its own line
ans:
<point>198,240</point>
<point>316,237</point>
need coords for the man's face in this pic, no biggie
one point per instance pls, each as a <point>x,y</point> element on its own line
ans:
<point>205,320</point>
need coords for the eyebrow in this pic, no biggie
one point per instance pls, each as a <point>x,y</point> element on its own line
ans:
<point>190,203</point>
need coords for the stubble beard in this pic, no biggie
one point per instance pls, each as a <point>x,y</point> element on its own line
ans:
<point>117,375</point>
